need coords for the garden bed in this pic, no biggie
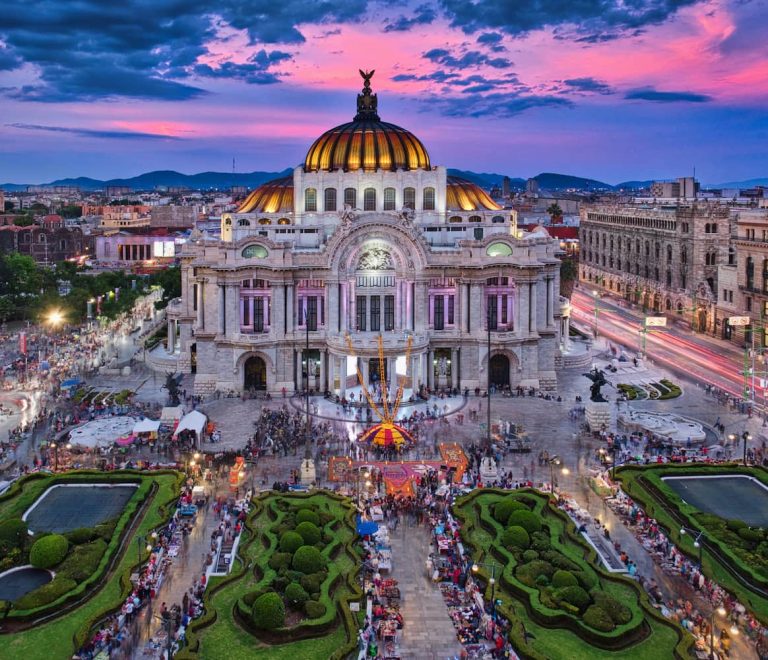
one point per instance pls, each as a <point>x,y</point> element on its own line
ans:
<point>288,595</point>
<point>733,554</point>
<point>560,603</point>
<point>92,565</point>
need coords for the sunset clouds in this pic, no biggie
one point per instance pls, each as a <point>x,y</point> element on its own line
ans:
<point>197,83</point>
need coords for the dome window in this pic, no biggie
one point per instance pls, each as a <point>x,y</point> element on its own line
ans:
<point>475,218</point>
<point>283,221</point>
<point>242,222</point>
<point>497,218</point>
<point>255,252</point>
<point>310,200</point>
<point>265,221</point>
<point>350,197</point>
<point>228,222</point>
<point>409,198</point>
<point>498,249</point>
<point>455,218</point>
<point>389,199</point>
<point>369,199</point>
<point>330,199</point>
<point>429,199</point>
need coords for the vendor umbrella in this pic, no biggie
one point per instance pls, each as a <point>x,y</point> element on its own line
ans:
<point>387,434</point>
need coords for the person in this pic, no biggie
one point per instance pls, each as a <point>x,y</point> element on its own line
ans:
<point>429,566</point>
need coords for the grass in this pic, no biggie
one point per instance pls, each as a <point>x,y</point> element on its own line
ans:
<point>664,513</point>
<point>221,635</point>
<point>553,634</point>
<point>65,634</point>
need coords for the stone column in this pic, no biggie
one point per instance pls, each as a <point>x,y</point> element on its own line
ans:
<point>200,308</point>
<point>232,309</point>
<point>366,377</point>
<point>289,309</point>
<point>331,372</point>
<point>169,340</point>
<point>342,376</point>
<point>421,304</point>
<point>532,305</point>
<point>454,368</point>
<point>431,369</point>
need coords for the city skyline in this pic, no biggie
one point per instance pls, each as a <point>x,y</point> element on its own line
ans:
<point>597,90</point>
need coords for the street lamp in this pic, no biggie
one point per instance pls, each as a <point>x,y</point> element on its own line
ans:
<point>596,295</point>
<point>492,581</point>
<point>141,540</point>
<point>555,460</point>
<point>697,543</point>
<point>721,611</point>
<point>55,448</point>
<point>746,437</point>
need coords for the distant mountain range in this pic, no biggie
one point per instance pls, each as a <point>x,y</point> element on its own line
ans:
<point>225,180</point>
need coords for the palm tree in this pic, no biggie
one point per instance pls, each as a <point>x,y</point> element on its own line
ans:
<point>555,212</point>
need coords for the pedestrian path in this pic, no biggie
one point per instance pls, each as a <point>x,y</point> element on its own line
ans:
<point>428,633</point>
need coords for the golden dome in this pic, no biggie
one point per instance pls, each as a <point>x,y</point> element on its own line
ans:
<point>463,195</point>
<point>274,196</point>
<point>366,143</point>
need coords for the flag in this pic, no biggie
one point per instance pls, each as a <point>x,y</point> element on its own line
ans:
<point>23,343</point>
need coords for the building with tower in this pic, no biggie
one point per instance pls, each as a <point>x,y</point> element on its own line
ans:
<point>368,238</point>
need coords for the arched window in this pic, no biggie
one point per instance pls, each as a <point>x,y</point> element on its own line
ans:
<point>706,228</point>
<point>283,221</point>
<point>265,221</point>
<point>669,279</point>
<point>637,246</point>
<point>497,218</point>
<point>731,256</point>
<point>475,218</point>
<point>389,199</point>
<point>668,305</point>
<point>369,199</point>
<point>714,228</point>
<point>310,200</point>
<point>242,222</point>
<point>409,198</point>
<point>228,222</point>
<point>684,256</point>
<point>669,254</point>
<point>658,250</point>
<point>350,197</point>
<point>765,275</point>
<point>750,272</point>
<point>647,249</point>
<point>455,218</point>
<point>429,199</point>
<point>330,199</point>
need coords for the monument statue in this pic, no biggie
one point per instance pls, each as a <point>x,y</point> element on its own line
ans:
<point>173,388</point>
<point>598,380</point>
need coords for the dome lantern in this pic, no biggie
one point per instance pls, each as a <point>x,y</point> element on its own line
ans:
<point>366,143</point>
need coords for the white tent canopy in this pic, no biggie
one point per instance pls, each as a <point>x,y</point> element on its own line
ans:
<point>146,426</point>
<point>193,421</point>
<point>101,432</point>
<point>171,413</point>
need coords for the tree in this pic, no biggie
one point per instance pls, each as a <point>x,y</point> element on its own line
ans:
<point>555,212</point>
<point>23,221</point>
<point>71,211</point>
<point>568,274</point>
<point>9,205</point>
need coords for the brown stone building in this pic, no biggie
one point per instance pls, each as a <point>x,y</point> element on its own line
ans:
<point>45,244</point>
<point>663,258</point>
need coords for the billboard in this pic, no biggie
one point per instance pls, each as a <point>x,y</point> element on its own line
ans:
<point>739,320</point>
<point>655,321</point>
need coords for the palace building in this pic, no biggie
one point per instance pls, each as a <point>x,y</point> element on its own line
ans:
<point>368,238</point>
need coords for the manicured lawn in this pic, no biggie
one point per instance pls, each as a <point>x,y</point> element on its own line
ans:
<point>646,486</point>
<point>222,635</point>
<point>62,636</point>
<point>553,630</point>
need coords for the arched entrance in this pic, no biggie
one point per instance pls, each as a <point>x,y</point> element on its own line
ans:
<point>193,358</point>
<point>701,325</point>
<point>499,370</point>
<point>255,374</point>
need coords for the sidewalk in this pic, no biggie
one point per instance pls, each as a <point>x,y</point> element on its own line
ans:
<point>428,633</point>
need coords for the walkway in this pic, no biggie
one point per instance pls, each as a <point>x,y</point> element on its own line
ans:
<point>428,633</point>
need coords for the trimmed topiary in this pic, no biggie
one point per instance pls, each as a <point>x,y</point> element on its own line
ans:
<point>750,535</point>
<point>515,537</point>
<point>596,617</point>
<point>530,555</point>
<point>83,561</point>
<point>312,582</point>
<point>48,551</point>
<point>540,542</point>
<point>81,535</point>
<point>268,611</point>
<point>307,515</point>
<point>563,578</point>
<point>618,612</point>
<point>586,579</point>
<point>314,609</point>
<point>295,595</point>
<point>528,573</point>
<point>45,594</point>
<point>576,596</point>
<point>13,533</point>
<point>291,542</point>
<point>735,525</point>
<point>279,560</point>
<point>309,532</point>
<point>503,509</point>
<point>307,559</point>
<point>528,520</point>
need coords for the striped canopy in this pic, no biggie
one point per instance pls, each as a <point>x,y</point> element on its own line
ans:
<point>387,435</point>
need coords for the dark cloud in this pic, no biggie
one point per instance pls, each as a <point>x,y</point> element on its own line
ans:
<point>422,15</point>
<point>435,76</point>
<point>92,49</point>
<point>587,19</point>
<point>254,71</point>
<point>92,133</point>
<point>650,94</point>
<point>490,38</point>
<point>470,58</point>
<point>588,86</point>
<point>500,105</point>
